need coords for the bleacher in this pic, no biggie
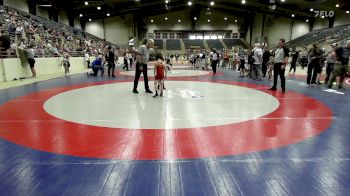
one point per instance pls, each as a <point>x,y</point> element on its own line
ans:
<point>214,44</point>
<point>158,43</point>
<point>173,44</point>
<point>193,43</point>
<point>233,42</point>
<point>63,38</point>
<point>338,33</point>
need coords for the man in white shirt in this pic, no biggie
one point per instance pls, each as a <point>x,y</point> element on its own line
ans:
<point>279,67</point>
<point>141,65</point>
<point>257,55</point>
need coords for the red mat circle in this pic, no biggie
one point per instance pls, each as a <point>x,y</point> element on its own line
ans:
<point>23,121</point>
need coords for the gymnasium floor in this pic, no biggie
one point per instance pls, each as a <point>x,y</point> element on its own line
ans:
<point>209,135</point>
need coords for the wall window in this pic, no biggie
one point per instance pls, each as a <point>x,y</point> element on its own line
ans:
<point>158,36</point>
<point>172,35</point>
<point>165,35</point>
<point>185,36</point>
<point>178,35</point>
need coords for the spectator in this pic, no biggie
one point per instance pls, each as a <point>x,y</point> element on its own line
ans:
<point>66,64</point>
<point>257,55</point>
<point>314,65</point>
<point>331,59</point>
<point>110,58</point>
<point>342,54</point>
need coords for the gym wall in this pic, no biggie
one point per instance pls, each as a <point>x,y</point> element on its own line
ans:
<point>113,29</point>
<point>217,22</point>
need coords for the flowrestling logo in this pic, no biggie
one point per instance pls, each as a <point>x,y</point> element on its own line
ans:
<point>324,14</point>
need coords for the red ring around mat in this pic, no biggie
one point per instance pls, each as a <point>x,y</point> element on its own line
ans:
<point>24,121</point>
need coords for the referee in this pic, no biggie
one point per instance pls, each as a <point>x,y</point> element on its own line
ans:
<point>141,65</point>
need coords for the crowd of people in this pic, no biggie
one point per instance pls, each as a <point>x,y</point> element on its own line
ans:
<point>263,62</point>
<point>46,40</point>
<point>26,37</point>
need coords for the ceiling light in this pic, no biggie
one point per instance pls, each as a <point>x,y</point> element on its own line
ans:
<point>293,15</point>
<point>208,20</point>
<point>337,5</point>
<point>81,15</point>
<point>166,1</point>
<point>99,8</point>
<point>151,20</point>
<point>282,0</point>
<point>212,3</point>
<point>45,5</point>
<point>243,1</point>
<point>86,3</point>
<point>347,12</point>
<point>189,3</point>
<point>178,20</point>
<point>311,10</point>
<point>307,20</point>
<point>225,18</point>
<point>235,20</point>
<point>322,16</point>
<point>195,18</point>
<point>166,18</point>
<point>108,14</point>
<point>90,19</point>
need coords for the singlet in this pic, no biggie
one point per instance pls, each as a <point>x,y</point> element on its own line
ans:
<point>159,71</point>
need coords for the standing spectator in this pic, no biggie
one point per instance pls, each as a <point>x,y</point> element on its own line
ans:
<point>177,57</point>
<point>66,64</point>
<point>279,67</point>
<point>314,65</point>
<point>232,57</point>
<point>242,59</point>
<point>110,58</point>
<point>126,66</point>
<point>304,58</point>
<point>203,62</point>
<point>342,54</point>
<point>331,59</point>
<point>257,55</point>
<point>130,58</point>
<point>266,58</point>
<point>237,61</point>
<point>214,60</point>
<point>141,65</point>
<point>295,57</point>
<point>226,58</point>
<point>87,58</point>
<point>30,58</point>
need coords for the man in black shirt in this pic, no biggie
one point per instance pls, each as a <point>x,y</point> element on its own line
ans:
<point>110,57</point>
<point>295,57</point>
<point>342,54</point>
<point>314,66</point>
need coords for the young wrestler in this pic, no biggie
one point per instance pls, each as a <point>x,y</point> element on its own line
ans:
<point>159,75</point>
